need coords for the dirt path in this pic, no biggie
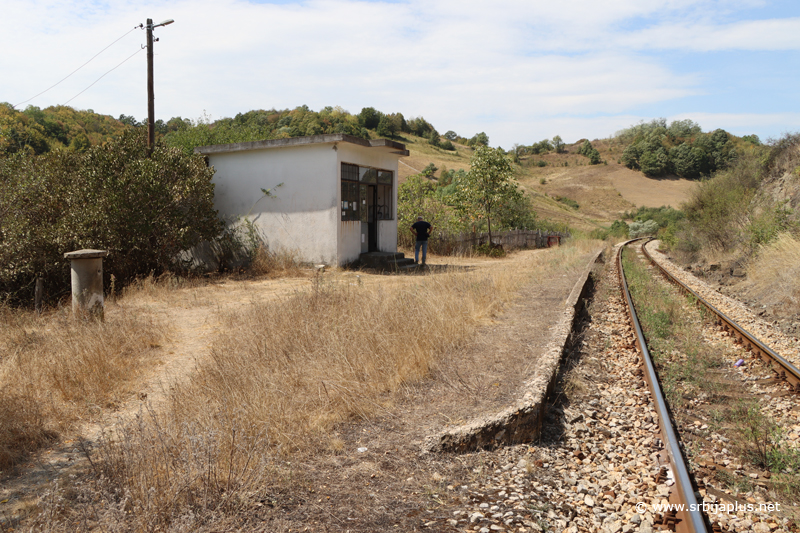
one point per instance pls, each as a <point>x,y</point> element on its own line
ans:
<point>482,377</point>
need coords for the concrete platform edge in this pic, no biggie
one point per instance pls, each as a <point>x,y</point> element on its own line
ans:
<point>522,421</point>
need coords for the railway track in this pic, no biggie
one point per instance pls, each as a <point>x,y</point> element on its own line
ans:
<point>683,492</point>
<point>784,370</point>
<point>690,518</point>
<point>605,461</point>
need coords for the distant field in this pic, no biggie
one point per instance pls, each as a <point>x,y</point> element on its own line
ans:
<point>603,192</point>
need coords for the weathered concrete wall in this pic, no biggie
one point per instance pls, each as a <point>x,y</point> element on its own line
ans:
<point>303,216</point>
<point>522,421</point>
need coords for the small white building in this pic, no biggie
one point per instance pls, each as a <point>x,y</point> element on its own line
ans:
<point>338,197</point>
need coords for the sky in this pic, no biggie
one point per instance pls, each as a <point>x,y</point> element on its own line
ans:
<point>519,70</point>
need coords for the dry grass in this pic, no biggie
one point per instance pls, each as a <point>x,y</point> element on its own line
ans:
<point>774,274</point>
<point>281,376</point>
<point>275,264</point>
<point>55,371</point>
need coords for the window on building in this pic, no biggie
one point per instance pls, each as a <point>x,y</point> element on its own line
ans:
<point>357,202</point>
<point>350,200</point>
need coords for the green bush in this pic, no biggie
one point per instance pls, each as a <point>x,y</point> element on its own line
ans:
<point>143,210</point>
<point>567,201</point>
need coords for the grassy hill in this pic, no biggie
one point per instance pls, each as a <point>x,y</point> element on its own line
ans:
<point>602,192</point>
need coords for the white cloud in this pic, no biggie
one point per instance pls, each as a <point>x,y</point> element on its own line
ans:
<point>515,69</point>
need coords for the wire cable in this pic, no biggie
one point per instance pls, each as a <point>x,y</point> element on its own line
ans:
<point>80,67</point>
<point>103,76</point>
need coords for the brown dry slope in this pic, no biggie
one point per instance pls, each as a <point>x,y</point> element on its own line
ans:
<point>603,192</point>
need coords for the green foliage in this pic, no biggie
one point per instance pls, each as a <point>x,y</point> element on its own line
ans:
<point>421,196</point>
<point>558,145</point>
<point>542,147</point>
<point>258,125</point>
<point>516,213</point>
<point>590,151</point>
<point>641,229</point>
<point>490,250</point>
<point>433,138</point>
<point>479,139</point>
<point>752,139</point>
<point>420,127</point>
<point>143,210</point>
<point>36,131</point>
<point>429,171</point>
<point>567,201</point>
<point>451,135</point>
<point>369,117</point>
<point>447,145</point>
<point>488,185</point>
<point>681,148</point>
<point>663,215</point>
<point>619,229</point>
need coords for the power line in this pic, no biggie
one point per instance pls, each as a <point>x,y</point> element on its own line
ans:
<point>103,76</point>
<point>80,67</point>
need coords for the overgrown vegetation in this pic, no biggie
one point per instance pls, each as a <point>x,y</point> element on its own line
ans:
<point>486,197</point>
<point>37,131</point>
<point>680,148</point>
<point>672,335</point>
<point>688,369</point>
<point>739,210</point>
<point>143,209</point>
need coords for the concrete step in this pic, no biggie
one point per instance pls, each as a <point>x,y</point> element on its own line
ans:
<point>387,261</point>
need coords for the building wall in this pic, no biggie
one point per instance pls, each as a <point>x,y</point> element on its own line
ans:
<point>303,216</point>
<point>350,232</point>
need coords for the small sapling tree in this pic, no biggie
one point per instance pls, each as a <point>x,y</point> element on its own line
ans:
<point>488,184</point>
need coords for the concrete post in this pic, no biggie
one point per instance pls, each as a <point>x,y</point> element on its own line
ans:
<point>87,281</point>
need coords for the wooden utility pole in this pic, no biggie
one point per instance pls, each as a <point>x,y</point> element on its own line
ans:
<point>151,99</point>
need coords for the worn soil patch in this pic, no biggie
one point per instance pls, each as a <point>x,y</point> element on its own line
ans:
<point>342,489</point>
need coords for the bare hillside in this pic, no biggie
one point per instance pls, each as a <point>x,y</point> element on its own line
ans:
<point>603,192</point>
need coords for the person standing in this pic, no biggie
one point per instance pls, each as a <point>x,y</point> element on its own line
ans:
<point>422,230</point>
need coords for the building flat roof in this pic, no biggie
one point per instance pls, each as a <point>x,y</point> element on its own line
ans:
<point>392,146</point>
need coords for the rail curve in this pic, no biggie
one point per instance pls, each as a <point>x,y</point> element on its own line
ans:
<point>783,369</point>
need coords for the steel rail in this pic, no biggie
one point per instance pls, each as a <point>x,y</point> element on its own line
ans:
<point>690,519</point>
<point>784,370</point>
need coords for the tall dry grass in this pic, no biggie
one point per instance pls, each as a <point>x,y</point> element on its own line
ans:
<point>281,375</point>
<point>774,274</point>
<point>55,371</point>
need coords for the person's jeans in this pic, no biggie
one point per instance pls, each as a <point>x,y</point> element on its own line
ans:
<point>417,246</point>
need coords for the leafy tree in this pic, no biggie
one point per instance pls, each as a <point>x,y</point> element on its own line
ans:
<point>752,139</point>
<point>487,186</point>
<point>419,127</point>
<point>451,135</point>
<point>369,117</point>
<point>386,128</point>
<point>542,147</point>
<point>433,138</point>
<point>447,145</point>
<point>479,139</point>
<point>129,120</point>
<point>590,151</point>
<point>429,171</point>
<point>80,143</point>
<point>640,229</point>
<point>558,145</point>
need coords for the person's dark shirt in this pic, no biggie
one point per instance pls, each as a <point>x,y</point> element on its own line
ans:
<point>421,227</point>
